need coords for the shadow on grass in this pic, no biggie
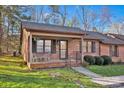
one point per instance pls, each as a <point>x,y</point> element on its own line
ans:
<point>16,70</point>
<point>8,63</point>
<point>11,61</point>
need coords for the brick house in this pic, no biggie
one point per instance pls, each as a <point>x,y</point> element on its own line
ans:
<point>46,46</point>
<point>101,44</point>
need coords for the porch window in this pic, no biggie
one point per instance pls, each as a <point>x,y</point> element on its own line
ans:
<point>47,46</point>
<point>63,49</point>
<point>53,46</point>
<point>34,44</point>
<point>113,50</point>
<point>43,46</point>
<point>40,45</point>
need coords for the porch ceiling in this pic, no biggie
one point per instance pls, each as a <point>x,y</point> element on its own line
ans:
<point>55,38</point>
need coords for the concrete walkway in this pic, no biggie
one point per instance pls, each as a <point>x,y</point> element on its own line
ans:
<point>110,81</point>
<point>114,81</point>
<point>86,72</point>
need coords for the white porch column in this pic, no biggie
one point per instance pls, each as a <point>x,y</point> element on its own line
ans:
<point>30,48</point>
<point>82,53</point>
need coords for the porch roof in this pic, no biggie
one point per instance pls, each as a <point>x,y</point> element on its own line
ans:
<point>33,26</point>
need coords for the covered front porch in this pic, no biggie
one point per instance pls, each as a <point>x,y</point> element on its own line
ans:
<point>54,51</point>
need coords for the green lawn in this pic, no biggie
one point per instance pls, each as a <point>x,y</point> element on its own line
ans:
<point>13,74</point>
<point>109,70</point>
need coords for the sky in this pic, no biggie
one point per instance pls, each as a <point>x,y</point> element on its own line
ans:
<point>117,11</point>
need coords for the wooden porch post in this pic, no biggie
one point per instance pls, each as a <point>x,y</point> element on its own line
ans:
<point>30,48</point>
<point>82,54</point>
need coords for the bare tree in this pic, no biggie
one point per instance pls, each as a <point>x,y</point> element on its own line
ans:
<point>88,17</point>
<point>57,12</point>
<point>105,18</point>
<point>74,22</point>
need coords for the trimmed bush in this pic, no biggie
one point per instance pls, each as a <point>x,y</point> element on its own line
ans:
<point>99,60</point>
<point>107,60</point>
<point>89,59</point>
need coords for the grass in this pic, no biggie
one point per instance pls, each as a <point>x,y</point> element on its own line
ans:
<point>109,70</point>
<point>14,74</point>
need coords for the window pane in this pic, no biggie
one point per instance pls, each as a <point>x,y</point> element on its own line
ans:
<point>53,46</point>
<point>85,46</point>
<point>63,44</point>
<point>89,46</point>
<point>63,48</point>
<point>47,49</point>
<point>63,53</point>
<point>34,45</point>
<point>47,42</point>
<point>93,47</point>
<point>39,45</point>
<point>47,46</point>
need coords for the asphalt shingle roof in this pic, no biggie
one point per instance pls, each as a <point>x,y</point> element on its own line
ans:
<point>50,28</point>
<point>103,38</point>
<point>121,37</point>
<point>64,29</point>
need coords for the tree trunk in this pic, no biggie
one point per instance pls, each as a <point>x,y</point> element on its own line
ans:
<point>0,33</point>
<point>7,44</point>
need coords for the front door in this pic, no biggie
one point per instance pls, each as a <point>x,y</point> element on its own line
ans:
<point>63,49</point>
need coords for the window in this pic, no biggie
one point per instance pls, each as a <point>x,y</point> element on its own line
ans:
<point>113,50</point>
<point>89,46</point>
<point>93,47</point>
<point>43,46</point>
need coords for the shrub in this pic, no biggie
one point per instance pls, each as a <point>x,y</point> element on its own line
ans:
<point>89,59</point>
<point>107,60</point>
<point>99,60</point>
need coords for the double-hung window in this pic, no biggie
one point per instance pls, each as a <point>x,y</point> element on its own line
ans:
<point>113,50</point>
<point>89,46</point>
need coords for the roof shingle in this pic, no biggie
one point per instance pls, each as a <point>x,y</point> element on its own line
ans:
<point>50,28</point>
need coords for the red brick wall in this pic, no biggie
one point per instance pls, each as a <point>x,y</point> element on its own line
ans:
<point>73,46</point>
<point>104,49</point>
<point>52,64</point>
<point>121,51</point>
<point>121,54</point>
